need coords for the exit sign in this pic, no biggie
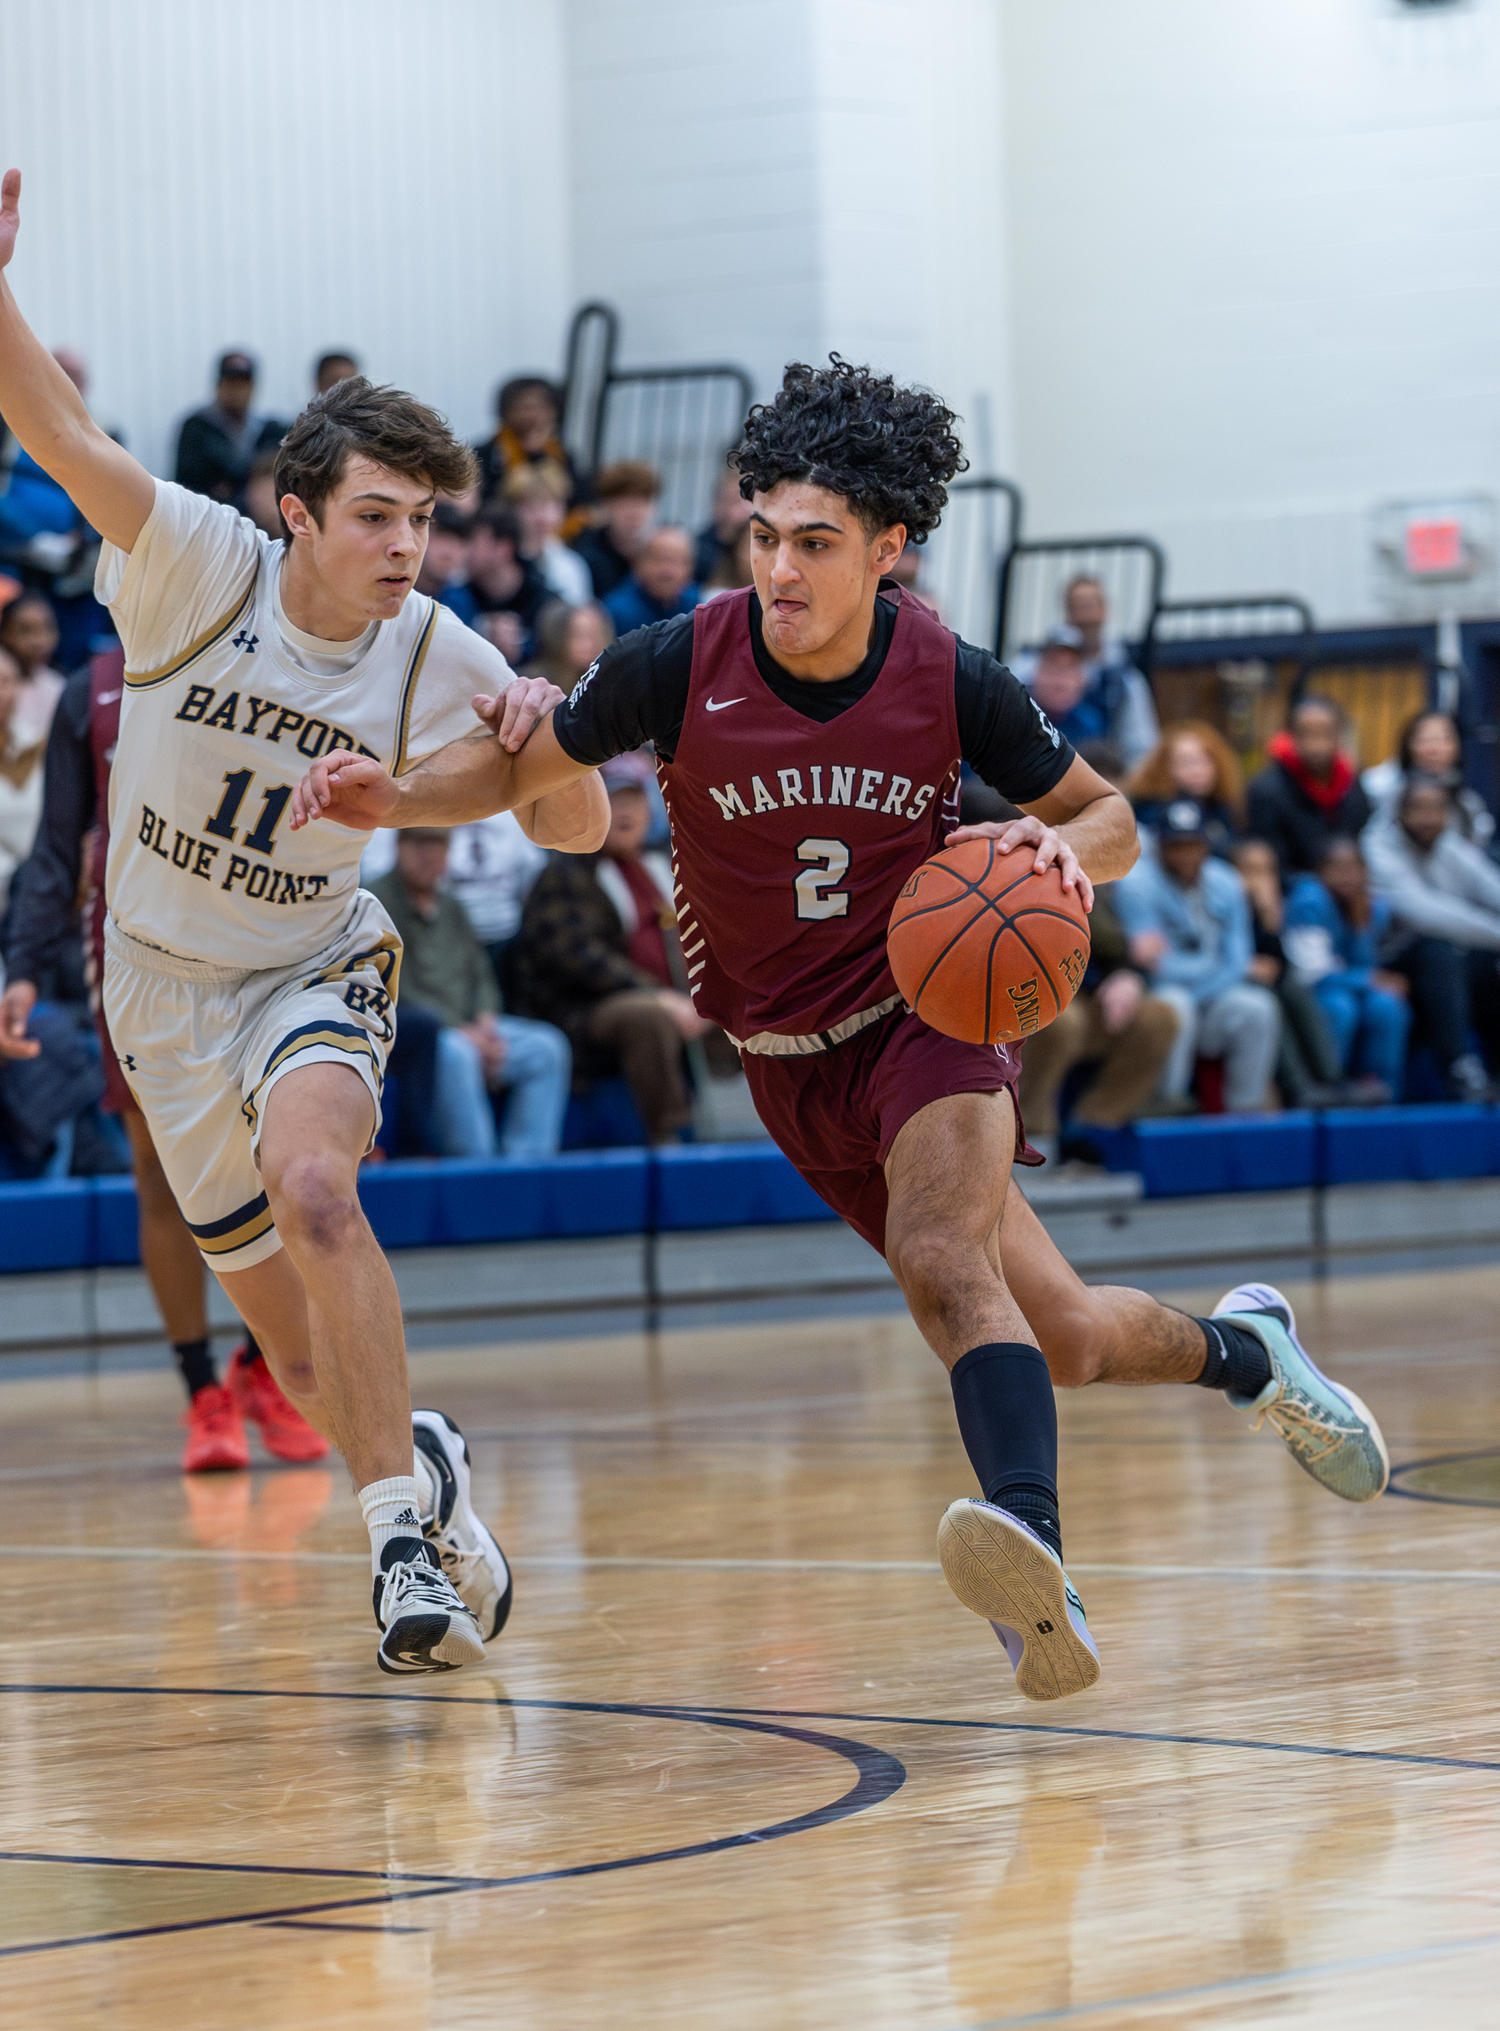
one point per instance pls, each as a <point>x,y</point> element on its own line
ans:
<point>1435,549</point>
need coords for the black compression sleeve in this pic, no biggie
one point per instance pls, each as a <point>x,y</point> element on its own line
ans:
<point>637,691</point>
<point>1003,735</point>
<point>44,897</point>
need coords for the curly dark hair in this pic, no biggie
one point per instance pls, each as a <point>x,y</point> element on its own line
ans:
<point>889,451</point>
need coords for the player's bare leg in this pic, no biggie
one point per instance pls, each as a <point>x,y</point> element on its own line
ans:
<point>1248,1349</point>
<point>947,1177</point>
<point>169,1254</point>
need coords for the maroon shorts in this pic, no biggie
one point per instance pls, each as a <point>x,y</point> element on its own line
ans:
<point>118,1098</point>
<point>837,1113</point>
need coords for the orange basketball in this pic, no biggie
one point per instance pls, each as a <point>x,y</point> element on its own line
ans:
<point>984,948</point>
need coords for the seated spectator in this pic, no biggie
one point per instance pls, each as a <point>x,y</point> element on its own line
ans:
<point>1308,792</point>
<point>625,498</point>
<point>479,1051</point>
<point>1444,897</point>
<point>262,501</point>
<point>1333,933</point>
<point>595,958</point>
<point>528,416</point>
<point>660,584</point>
<point>1113,1023</point>
<point>508,590</point>
<point>492,866</point>
<point>569,639</point>
<point>1193,759</point>
<point>444,574</point>
<point>1431,747</point>
<point>733,570</point>
<point>1188,923</point>
<point>1309,1071</point>
<point>216,446</point>
<point>720,535</point>
<point>21,755</point>
<point>537,494</point>
<point>1110,699</point>
<point>333,368</point>
<point>28,633</point>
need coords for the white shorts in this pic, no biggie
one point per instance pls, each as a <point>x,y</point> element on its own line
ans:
<point>201,1047</point>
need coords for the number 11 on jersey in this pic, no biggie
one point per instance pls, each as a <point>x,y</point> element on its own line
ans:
<point>273,803</point>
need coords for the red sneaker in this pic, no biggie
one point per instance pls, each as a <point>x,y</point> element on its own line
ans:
<point>283,1430</point>
<point>216,1436</point>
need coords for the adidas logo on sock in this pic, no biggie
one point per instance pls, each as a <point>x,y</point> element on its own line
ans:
<point>406,1517</point>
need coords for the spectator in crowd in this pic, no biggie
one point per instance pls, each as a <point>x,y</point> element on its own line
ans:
<point>569,639</point>
<point>1431,747</point>
<point>1113,1023</point>
<point>443,575</point>
<point>720,535</point>
<point>216,446</point>
<point>333,368</point>
<point>732,570</point>
<point>480,1051</point>
<point>596,957</point>
<point>1114,700</point>
<point>28,632</point>
<point>492,866</point>
<point>1309,1070</point>
<point>261,502</point>
<point>21,755</point>
<point>509,592</point>
<point>1308,792</point>
<point>1055,678</point>
<point>527,433</point>
<point>626,495</point>
<point>537,494</point>
<point>1444,897</point>
<point>1193,759</point>
<point>1333,934</point>
<point>660,584</point>
<point>1188,922</point>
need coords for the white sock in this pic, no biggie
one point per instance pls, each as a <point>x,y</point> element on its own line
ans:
<point>391,1510</point>
<point>427,1487</point>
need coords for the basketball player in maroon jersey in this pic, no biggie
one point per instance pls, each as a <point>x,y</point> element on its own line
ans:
<point>809,733</point>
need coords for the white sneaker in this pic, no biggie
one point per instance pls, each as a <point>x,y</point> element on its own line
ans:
<point>471,1558</point>
<point>426,1626</point>
<point>1004,1572</point>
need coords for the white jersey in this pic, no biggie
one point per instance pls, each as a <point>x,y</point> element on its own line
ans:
<point>222,715</point>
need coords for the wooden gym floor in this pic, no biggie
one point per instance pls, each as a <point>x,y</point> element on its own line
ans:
<point>740,1759</point>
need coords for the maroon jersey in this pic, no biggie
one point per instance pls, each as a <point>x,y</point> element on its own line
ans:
<point>791,839</point>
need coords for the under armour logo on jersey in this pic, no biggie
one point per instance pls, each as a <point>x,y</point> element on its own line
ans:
<point>127,1061</point>
<point>720,704</point>
<point>246,641</point>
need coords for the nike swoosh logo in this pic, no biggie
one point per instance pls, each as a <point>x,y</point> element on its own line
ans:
<point>723,703</point>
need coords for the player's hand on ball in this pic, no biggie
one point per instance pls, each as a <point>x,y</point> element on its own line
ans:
<point>352,790</point>
<point>10,214</point>
<point>512,715</point>
<point>16,1005</point>
<point>1051,849</point>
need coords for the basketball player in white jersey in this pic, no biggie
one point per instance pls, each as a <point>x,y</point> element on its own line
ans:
<point>250,984</point>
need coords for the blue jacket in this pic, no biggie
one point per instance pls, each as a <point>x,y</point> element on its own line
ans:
<point>631,606</point>
<point>1204,957</point>
<point>1322,945</point>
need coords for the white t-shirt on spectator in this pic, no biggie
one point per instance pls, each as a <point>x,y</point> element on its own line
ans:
<point>225,705</point>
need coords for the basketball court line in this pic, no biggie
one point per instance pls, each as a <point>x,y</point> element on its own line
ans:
<point>625,1562</point>
<point>1240,1984</point>
<point>879,1776</point>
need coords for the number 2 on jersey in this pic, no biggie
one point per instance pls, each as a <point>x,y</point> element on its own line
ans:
<point>818,896</point>
<point>273,803</point>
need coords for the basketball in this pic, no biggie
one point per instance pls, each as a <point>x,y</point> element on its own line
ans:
<point>983,947</point>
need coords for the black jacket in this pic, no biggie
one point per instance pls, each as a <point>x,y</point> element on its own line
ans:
<point>1282,813</point>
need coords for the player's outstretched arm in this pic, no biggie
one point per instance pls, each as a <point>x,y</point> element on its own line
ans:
<point>47,413</point>
<point>469,779</point>
<point>1083,824</point>
<point>573,819</point>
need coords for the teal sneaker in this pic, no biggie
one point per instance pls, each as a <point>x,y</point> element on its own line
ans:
<point>1327,1430</point>
<point>1004,1572</point>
